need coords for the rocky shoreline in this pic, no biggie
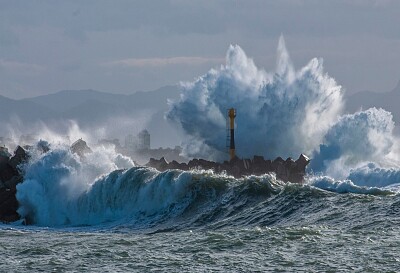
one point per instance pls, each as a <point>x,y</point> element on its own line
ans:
<point>11,174</point>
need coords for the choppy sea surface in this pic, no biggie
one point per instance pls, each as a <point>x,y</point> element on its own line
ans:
<point>139,220</point>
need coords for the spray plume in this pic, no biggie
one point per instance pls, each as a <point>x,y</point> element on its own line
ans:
<point>279,114</point>
<point>284,114</point>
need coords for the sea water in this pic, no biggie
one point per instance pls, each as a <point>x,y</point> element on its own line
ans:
<point>140,220</point>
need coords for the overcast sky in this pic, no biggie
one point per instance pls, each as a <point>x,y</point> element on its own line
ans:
<point>127,46</point>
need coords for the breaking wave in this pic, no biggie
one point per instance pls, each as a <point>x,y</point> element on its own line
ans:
<point>279,114</point>
<point>61,189</point>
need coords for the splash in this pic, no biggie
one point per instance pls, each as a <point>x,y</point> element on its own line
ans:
<point>365,136</point>
<point>52,180</point>
<point>63,189</point>
<point>285,113</point>
<point>279,114</point>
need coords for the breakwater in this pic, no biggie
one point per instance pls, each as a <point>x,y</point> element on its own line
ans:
<point>285,170</point>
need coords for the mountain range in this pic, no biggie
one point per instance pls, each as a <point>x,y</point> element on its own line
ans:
<point>367,99</point>
<point>118,114</point>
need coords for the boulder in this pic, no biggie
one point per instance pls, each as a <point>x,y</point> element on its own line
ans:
<point>174,165</point>
<point>160,164</point>
<point>258,160</point>
<point>7,172</point>
<point>43,146</point>
<point>302,162</point>
<point>4,155</point>
<point>80,148</point>
<point>8,205</point>
<point>20,156</point>
<point>13,182</point>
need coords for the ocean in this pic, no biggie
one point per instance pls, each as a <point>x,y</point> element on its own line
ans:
<point>140,220</point>
<point>98,212</point>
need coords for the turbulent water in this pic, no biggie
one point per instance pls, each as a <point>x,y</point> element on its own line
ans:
<point>101,213</point>
<point>141,220</point>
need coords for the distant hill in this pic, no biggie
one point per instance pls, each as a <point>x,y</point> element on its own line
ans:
<point>116,114</point>
<point>64,101</point>
<point>24,110</point>
<point>389,101</point>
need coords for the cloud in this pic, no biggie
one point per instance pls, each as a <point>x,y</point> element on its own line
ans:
<point>20,66</point>
<point>160,62</point>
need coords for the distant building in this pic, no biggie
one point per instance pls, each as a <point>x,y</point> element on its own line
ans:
<point>130,143</point>
<point>143,140</point>
<point>138,143</point>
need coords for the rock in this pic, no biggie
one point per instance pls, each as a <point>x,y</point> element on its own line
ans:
<point>8,205</point>
<point>43,146</point>
<point>4,159</point>
<point>160,164</point>
<point>290,163</point>
<point>174,165</point>
<point>80,148</point>
<point>302,162</point>
<point>247,164</point>
<point>10,176</point>
<point>163,163</point>
<point>258,160</point>
<point>13,182</point>
<point>4,154</point>
<point>20,156</point>
<point>7,172</point>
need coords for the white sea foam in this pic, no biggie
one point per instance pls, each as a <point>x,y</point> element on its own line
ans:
<point>53,180</point>
<point>278,114</point>
<point>286,113</point>
<point>345,186</point>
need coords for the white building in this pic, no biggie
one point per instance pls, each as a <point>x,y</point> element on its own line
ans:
<point>143,140</point>
<point>139,142</point>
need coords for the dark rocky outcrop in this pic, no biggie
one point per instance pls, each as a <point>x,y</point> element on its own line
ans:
<point>80,148</point>
<point>285,170</point>
<point>10,177</point>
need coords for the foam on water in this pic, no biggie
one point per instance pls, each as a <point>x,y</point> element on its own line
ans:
<point>345,186</point>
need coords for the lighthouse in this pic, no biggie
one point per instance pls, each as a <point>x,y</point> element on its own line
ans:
<point>232,115</point>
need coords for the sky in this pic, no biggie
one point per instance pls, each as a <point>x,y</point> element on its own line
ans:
<point>127,46</point>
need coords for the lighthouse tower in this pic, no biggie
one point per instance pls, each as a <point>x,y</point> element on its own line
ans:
<point>232,115</point>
